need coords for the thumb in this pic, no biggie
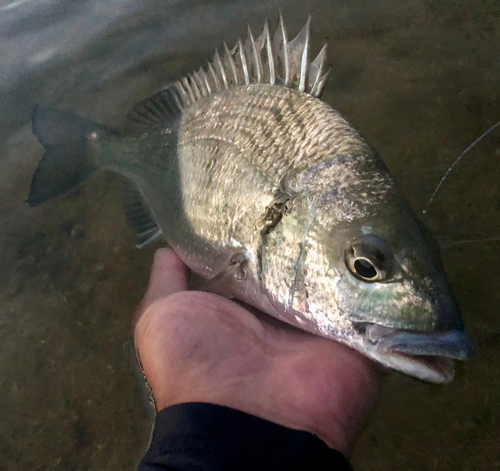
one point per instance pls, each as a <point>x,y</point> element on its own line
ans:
<point>168,275</point>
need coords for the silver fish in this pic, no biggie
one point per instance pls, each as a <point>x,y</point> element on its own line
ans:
<point>270,194</point>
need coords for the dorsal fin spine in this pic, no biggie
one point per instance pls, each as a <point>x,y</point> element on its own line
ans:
<point>189,88</point>
<point>218,62</point>
<point>285,58</point>
<point>270,56</point>
<point>204,78</point>
<point>215,77</point>
<point>322,82</point>
<point>258,64</point>
<point>256,56</point>
<point>182,94</point>
<point>199,82</point>
<point>305,57</point>
<point>177,99</point>
<point>315,71</point>
<point>228,56</point>
<point>244,64</point>
<point>195,88</point>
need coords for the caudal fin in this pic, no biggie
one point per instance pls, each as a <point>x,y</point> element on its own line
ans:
<point>67,161</point>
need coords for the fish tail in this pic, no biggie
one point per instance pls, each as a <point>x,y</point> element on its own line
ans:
<point>68,160</point>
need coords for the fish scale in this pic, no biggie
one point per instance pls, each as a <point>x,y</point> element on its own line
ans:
<point>290,145</point>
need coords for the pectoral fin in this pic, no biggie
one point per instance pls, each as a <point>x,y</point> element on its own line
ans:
<point>234,269</point>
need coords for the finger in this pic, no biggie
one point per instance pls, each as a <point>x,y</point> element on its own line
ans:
<point>168,276</point>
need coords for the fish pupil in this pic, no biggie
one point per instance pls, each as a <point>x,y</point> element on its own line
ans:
<point>365,269</point>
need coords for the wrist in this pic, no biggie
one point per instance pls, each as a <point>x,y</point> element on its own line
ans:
<point>240,440</point>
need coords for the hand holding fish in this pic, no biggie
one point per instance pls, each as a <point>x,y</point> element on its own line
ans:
<point>200,347</point>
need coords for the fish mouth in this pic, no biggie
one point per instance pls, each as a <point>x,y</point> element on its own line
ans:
<point>425,355</point>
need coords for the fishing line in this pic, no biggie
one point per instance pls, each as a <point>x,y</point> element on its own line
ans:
<point>479,139</point>
<point>449,243</point>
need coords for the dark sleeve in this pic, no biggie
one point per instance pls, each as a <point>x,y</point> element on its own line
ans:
<point>207,437</point>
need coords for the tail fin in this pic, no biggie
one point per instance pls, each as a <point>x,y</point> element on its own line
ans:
<point>67,161</point>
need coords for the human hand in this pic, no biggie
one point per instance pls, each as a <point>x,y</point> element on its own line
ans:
<point>199,347</point>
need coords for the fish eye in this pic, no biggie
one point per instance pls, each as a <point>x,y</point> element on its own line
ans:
<point>369,258</point>
<point>364,269</point>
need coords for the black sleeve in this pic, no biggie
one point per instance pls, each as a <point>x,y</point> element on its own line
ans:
<point>207,437</point>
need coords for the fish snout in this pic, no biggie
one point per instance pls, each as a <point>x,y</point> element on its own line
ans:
<point>454,344</point>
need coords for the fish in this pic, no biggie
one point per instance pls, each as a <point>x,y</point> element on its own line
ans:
<point>271,196</point>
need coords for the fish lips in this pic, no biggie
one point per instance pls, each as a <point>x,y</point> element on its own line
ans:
<point>425,355</point>
<point>452,344</point>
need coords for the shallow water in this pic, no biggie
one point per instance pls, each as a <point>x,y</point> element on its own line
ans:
<point>419,78</point>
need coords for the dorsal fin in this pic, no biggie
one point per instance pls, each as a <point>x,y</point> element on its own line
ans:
<point>156,111</point>
<point>276,61</point>
<point>265,60</point>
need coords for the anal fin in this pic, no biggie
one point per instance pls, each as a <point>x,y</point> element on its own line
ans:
<point>149,237</point>
<point>139,215</point>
